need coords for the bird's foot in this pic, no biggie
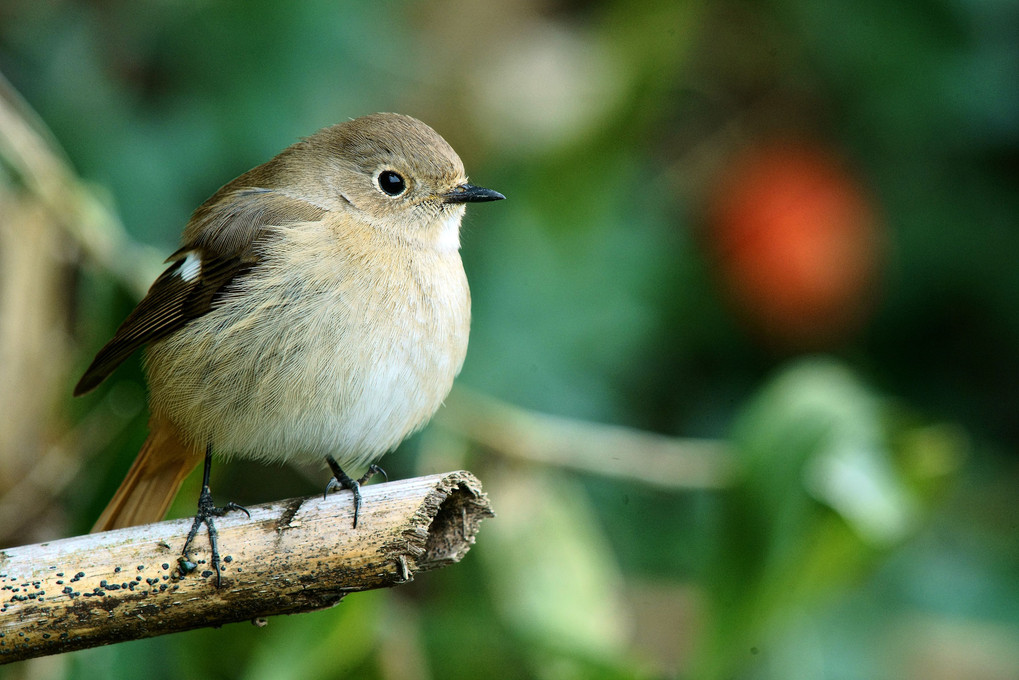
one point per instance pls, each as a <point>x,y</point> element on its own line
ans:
<point>206,512</point>
<point>341,480</point>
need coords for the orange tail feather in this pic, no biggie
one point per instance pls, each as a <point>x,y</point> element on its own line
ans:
<point>144,496</point>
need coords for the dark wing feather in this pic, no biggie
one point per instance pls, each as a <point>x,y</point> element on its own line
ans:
<point>226,232</point>
<point>170,303</point>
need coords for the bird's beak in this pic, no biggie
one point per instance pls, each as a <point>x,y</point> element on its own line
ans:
<point>468,193</point>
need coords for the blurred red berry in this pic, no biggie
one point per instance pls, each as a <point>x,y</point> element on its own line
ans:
<point>796,242</point>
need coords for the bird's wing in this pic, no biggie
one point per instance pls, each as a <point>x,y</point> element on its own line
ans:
<point>221,245</point>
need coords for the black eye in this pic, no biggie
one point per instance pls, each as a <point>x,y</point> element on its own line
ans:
<point>391,183</point>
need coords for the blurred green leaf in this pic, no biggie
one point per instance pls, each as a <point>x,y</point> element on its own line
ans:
<point>320,645</point>
<point>546,557</point>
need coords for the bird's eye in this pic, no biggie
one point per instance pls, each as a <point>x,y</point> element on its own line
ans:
<point>391,183</point>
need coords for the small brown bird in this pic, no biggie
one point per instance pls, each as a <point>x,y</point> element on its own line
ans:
<point>317,309</point>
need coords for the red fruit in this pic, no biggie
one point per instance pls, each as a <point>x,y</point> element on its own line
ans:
<point>796,243</point>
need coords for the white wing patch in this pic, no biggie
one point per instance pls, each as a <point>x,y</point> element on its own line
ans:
<point>191,267</point>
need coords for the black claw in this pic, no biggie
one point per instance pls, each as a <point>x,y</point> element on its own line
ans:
<point>358,502</point>
<point>231,506</point>
<point>341,480</point>
<point>373,470</point>
<point>333,485</point>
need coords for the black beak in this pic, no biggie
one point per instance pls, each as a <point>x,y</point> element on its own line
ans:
<point>468,193</point>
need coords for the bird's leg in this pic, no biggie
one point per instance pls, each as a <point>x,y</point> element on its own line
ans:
<point>341,480</point>
<point>206,511</point>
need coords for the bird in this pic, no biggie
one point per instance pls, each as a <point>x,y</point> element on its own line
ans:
<point>317,309</point>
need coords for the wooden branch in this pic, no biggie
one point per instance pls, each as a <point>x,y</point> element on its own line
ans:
<point>292,556</point>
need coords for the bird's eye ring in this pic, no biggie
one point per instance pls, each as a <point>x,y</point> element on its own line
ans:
<point>391,183</point>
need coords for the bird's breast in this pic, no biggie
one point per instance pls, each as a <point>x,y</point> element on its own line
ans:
<point>326,347</point>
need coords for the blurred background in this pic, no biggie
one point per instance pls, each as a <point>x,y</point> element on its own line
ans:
<point>743,367</point>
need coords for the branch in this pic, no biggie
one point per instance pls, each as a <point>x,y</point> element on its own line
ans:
<point>292,556</point>
<point>595,448</point>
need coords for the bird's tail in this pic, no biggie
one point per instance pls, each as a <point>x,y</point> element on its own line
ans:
<point>144,496</point>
